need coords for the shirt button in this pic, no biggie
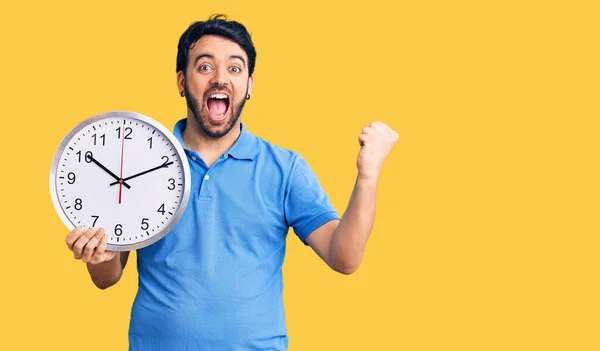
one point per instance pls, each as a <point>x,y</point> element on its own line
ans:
<point>194,158</point>
<point>206,177</point>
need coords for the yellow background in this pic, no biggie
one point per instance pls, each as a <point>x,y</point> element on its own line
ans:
<point>487,230</point>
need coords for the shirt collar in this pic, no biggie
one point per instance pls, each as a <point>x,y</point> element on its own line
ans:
<point>245,147</point>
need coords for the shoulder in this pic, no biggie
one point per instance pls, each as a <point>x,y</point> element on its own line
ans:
<point>283,166</point>
<point>278,155</point>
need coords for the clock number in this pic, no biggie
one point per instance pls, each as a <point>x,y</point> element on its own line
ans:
<point>150,140</point>
<point>171,183</point>
<point>118,229</point>
<point>95,219</point>
<point>167,159</point>
<point>145,224</point>
<point>103,137</point>
<point>71,178</point>
<point>128,131</point>
<point>78,204</point>
<point>161,209</point>
<point>87,157</point>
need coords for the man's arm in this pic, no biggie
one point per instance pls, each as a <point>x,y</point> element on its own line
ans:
<point>107,274</point>
<point>341,243</point>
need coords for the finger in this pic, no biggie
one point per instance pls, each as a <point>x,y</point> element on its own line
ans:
<point>367,129</point>
<point>362,139</point>
<point>73,236</point>
<point>82,241</point>
<point>380,125</point>
<point>99,254</point>
<point>90,247</point>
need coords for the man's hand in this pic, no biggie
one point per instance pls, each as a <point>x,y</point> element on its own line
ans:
<point>376,142</point>
<point>89,246</point>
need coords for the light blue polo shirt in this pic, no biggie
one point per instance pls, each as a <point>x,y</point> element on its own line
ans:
<point>215,281</point>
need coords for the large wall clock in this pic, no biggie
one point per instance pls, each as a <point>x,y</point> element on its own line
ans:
<point>124,172</point>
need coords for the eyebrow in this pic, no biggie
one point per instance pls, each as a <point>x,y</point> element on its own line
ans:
<point>201,56</point>
<point>237,57</point>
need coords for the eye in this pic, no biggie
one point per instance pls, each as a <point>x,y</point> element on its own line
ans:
<point>236,69</point>
<point>204,67</point>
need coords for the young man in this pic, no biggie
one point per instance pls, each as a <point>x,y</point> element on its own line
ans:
<point>215,281</point>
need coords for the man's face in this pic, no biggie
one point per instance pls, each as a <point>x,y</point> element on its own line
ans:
<point>216,84</point>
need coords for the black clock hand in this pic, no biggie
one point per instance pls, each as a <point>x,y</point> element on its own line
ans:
<point>164,165</point>
<point>108,171</point>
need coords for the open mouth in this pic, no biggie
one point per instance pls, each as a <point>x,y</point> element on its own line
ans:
<point>217,105</point>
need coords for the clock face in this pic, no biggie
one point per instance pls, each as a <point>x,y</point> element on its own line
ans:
<point>123,172</point>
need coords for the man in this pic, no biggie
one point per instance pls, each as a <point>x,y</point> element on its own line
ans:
<point>215,281</point>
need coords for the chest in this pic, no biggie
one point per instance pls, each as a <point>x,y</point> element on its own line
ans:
<point>235,213</point>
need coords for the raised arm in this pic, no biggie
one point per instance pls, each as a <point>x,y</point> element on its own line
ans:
<point>341,243</point>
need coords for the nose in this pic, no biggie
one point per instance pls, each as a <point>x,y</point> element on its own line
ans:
<point>219,77</point>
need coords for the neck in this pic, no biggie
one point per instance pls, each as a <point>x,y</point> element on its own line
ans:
<point>208,148</point>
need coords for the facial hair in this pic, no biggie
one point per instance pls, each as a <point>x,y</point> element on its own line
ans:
<point>203,121</point>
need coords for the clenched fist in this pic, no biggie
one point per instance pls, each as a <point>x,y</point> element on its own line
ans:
<point>376,142</point>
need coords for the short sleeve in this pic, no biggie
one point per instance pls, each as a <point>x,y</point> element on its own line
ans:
<point>307,206</point>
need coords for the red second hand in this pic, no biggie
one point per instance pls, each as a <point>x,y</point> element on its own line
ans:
<point>121,174</point>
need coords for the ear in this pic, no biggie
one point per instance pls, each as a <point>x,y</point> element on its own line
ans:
<point>250,84</point>
<point>180,83</point>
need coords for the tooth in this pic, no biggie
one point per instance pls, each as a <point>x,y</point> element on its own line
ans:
<point>218,96</point>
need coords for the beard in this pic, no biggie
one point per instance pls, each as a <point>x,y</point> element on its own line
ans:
<point>204,122</point>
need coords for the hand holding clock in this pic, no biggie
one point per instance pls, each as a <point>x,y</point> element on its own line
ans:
<point>89,245</point>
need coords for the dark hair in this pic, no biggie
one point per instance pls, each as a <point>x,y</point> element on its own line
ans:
<point>216,25</point>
